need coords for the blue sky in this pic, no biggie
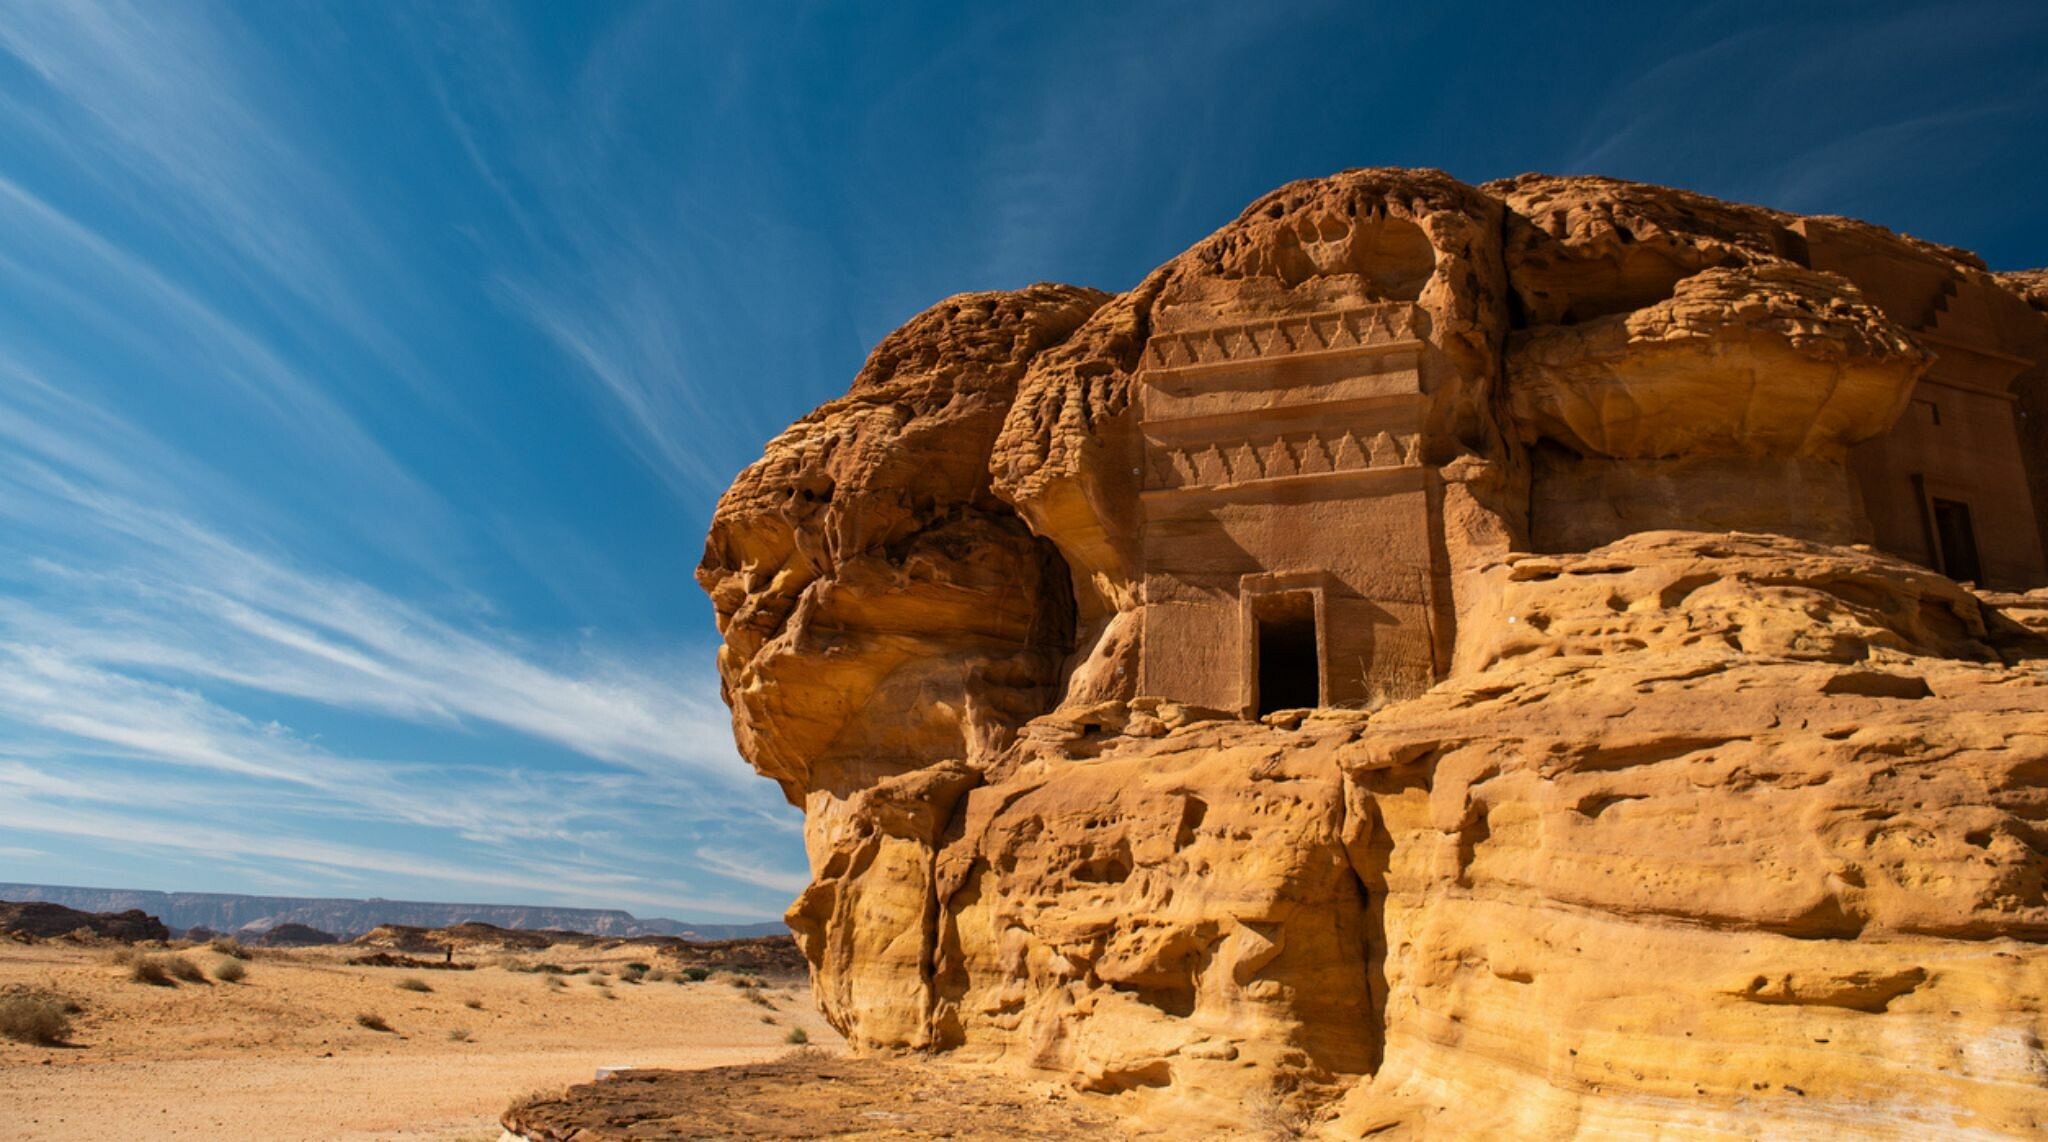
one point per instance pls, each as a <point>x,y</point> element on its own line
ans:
<point>368,370</point>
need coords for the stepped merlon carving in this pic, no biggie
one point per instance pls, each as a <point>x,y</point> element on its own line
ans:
<point>1367,328</point>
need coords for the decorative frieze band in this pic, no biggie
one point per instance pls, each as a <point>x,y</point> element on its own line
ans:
<point>1363,328</point>
<point>1294,454</point>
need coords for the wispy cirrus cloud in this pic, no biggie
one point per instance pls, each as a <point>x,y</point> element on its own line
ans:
<point>222,840</point>
<point>623,337</point>
<point>136,628</point>
<point>161,96</point>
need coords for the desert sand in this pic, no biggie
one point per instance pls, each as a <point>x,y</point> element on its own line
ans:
<point>281,1056</point>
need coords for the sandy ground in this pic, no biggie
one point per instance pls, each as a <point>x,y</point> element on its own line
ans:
<point>280,1055</point>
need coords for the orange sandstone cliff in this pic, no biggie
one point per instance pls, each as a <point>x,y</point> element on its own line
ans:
<point>1554,656</point>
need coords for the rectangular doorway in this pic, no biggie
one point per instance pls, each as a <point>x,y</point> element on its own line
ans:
<point>1957,540</point>
<point>1290,666</point>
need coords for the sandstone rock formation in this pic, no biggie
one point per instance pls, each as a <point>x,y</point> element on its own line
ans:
<point>1434,658</point>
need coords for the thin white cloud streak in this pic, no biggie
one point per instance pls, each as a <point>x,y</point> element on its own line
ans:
<point>1078,136</point>
<point>49,690</point>
<point>194,601</point>
<point>157,833</point>
<point>143,598</point>
<point>745,869</point>
<point>226,353</point>
<point>129,614</point>
<point>625,340</point>
<point>563,829</point>
<point>599,281</point>
<point>180,109</point>
<point>563,825</point>
<point>110,717</point>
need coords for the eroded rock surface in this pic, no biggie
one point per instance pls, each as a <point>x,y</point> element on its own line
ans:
<point>1655,771</point>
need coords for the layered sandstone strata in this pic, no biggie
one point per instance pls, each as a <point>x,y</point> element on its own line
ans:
<point>1653,773</point>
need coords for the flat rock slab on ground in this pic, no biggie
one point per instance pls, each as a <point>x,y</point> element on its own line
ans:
<point>807,1096</point>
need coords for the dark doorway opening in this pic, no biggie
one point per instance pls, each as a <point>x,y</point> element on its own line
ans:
<point>1958,540</point>
<point>1290,668</point>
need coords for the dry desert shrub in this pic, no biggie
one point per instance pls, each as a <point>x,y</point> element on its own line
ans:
<point>373,1021</point>
<point>230,970</point>
<point>599,981</point>
<point>459,1035</point>
<point>554,982</point>
<point>759,1000</point>
<point>414,983</point>
<point>797,1036</point>
<point>548,968</point>
<point>152,970</point>
<point>473,1004</point>
<point>229,946</point>
<point>1270,1117</point>
<point>35,1017</point>
<point>181,968</point>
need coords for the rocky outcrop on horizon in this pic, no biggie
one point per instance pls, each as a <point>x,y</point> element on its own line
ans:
<point>1653,776</point>
<point>252,915</point>
<point>43,920</point>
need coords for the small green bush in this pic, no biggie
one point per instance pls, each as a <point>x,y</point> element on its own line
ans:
<point>797,1037</point>
<point>638,967</point>
<point>696,975</point>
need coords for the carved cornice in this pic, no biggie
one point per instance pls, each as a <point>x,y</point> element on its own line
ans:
<point>1341,332</point>
<point>1294,454</point>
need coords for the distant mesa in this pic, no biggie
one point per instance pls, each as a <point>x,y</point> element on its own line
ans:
<point>1556,656</point>
<point>464,945</point>
<point>42,920</point>
<point>251,916</point>
<point>293,936</point>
